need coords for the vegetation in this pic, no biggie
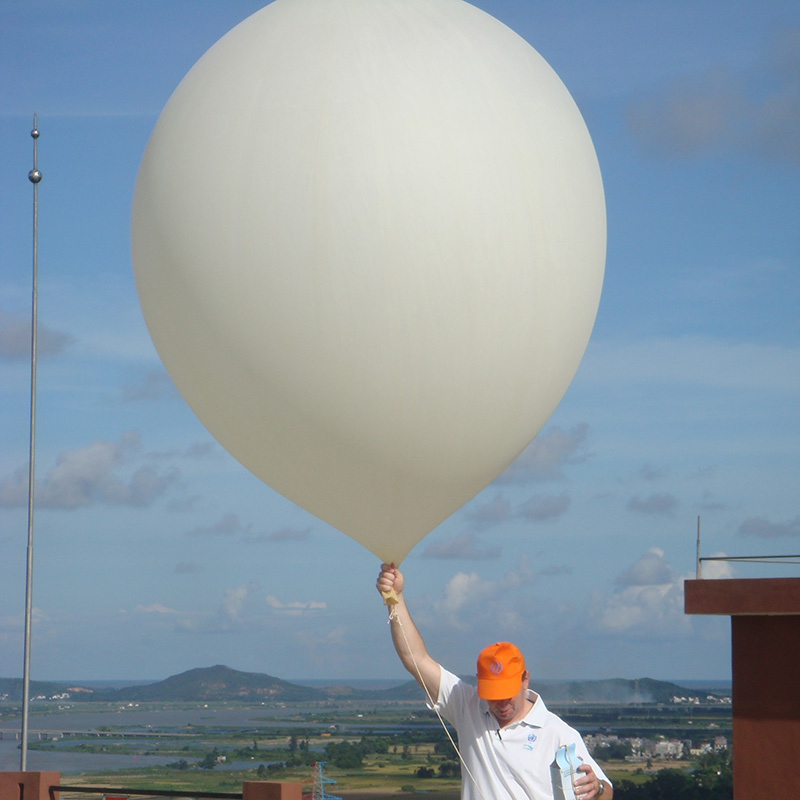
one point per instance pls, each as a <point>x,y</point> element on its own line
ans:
<point>712,779</point>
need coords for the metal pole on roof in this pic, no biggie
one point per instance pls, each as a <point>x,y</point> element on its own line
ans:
<point>34,176</point>
<point>698,564</point>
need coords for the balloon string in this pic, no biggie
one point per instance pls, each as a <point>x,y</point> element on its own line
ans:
<point>393,617</point>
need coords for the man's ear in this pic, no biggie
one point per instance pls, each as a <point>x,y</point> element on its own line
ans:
<point>525,679</point>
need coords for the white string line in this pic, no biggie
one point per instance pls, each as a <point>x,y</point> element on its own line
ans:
<point>573,769</point>
<point>393,617</point>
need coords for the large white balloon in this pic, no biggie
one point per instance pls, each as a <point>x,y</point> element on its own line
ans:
<point>368,240</point>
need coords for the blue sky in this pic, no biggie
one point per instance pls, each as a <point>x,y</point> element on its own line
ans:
<point>155,552</point>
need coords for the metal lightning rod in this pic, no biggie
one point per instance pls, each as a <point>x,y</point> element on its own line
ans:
<point>698,562</point>
<point>34,176</point>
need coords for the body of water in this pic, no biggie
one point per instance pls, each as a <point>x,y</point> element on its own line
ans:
<point>191,720</point>
<point>73,763</point>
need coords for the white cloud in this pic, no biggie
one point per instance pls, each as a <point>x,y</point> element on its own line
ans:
<point>647,602</point>
<point>650,472</point>
<point>710,503</point>
<point>16,622</point>
<point>294,608</point>
<point>182,505</point>
<point>15,339</point>
<point>196,623</point>
<point>540,508</point>
<point>717,570</point>
<point>690,117</point>
<point>227,525</point>
<point>650,570</point>
<point>763,528</point>
<point>197,451</point>
<point>235,611</point>
<point>469,600</point>
<point>233,602</point>
<point>654,504</point>
<point>88,476</point>
<point>465,545</point>
<point>152,385</point>
<point>320,647</point>
<point>545,458</point>
<point>154,608</point>
<point>644,610</point>
<point>463,589</point>
<point>492,513</point>
<point>719,111</point>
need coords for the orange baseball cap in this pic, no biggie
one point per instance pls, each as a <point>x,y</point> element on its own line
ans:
<point>500,670</point>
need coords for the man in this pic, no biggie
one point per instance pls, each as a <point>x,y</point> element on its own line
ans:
<point>507,737</point>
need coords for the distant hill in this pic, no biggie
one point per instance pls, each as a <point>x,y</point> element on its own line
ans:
<point>214,683</point>
<point>618,691</point>
<point>11,689</point>
<point>221,683</point>
<point>208,683</point>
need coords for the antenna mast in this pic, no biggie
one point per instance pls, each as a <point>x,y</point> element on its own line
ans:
<point>698,564</point>
<point>34,176</point>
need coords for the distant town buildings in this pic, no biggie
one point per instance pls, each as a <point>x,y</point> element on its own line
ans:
<point>711,700</point>
<point>656,749</point>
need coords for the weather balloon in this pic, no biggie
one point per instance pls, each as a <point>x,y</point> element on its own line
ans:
<point>368,240</point>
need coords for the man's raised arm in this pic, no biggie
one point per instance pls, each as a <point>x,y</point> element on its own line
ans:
<point>406,638</point>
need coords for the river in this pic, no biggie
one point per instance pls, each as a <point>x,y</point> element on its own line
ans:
<point>131,718</point>
<point>182,721</point>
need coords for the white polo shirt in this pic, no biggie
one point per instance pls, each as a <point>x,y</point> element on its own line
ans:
<point>509,762</point>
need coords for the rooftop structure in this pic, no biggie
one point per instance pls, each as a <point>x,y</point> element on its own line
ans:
<point>765,657</point>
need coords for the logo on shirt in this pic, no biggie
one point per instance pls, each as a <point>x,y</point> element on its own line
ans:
<point>531,740</point>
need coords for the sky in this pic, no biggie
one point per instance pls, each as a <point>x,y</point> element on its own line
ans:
<point>155,552</point>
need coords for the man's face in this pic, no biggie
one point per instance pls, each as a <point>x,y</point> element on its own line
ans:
<point>511,709</point>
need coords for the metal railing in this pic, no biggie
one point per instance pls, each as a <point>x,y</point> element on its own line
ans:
<point>791,559</point>
<point>746,559</point>
<point>755,559</point>
<point>47,785</point>
<point>109,791</point>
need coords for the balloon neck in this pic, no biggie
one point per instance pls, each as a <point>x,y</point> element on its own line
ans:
<point>389,598</point>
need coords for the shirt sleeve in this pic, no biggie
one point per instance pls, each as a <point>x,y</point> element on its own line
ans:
<point>454,697</point>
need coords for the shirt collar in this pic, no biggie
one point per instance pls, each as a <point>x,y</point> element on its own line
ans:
<point>535,718</point>
<point>538,714</point>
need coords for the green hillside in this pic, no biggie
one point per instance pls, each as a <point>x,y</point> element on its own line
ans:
<point>214,683</point>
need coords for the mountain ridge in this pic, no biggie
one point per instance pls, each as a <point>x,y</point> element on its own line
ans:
<point>223,683</point>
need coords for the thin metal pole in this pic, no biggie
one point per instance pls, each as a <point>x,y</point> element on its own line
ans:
<point>34,176</point>
<point>698,565</point>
